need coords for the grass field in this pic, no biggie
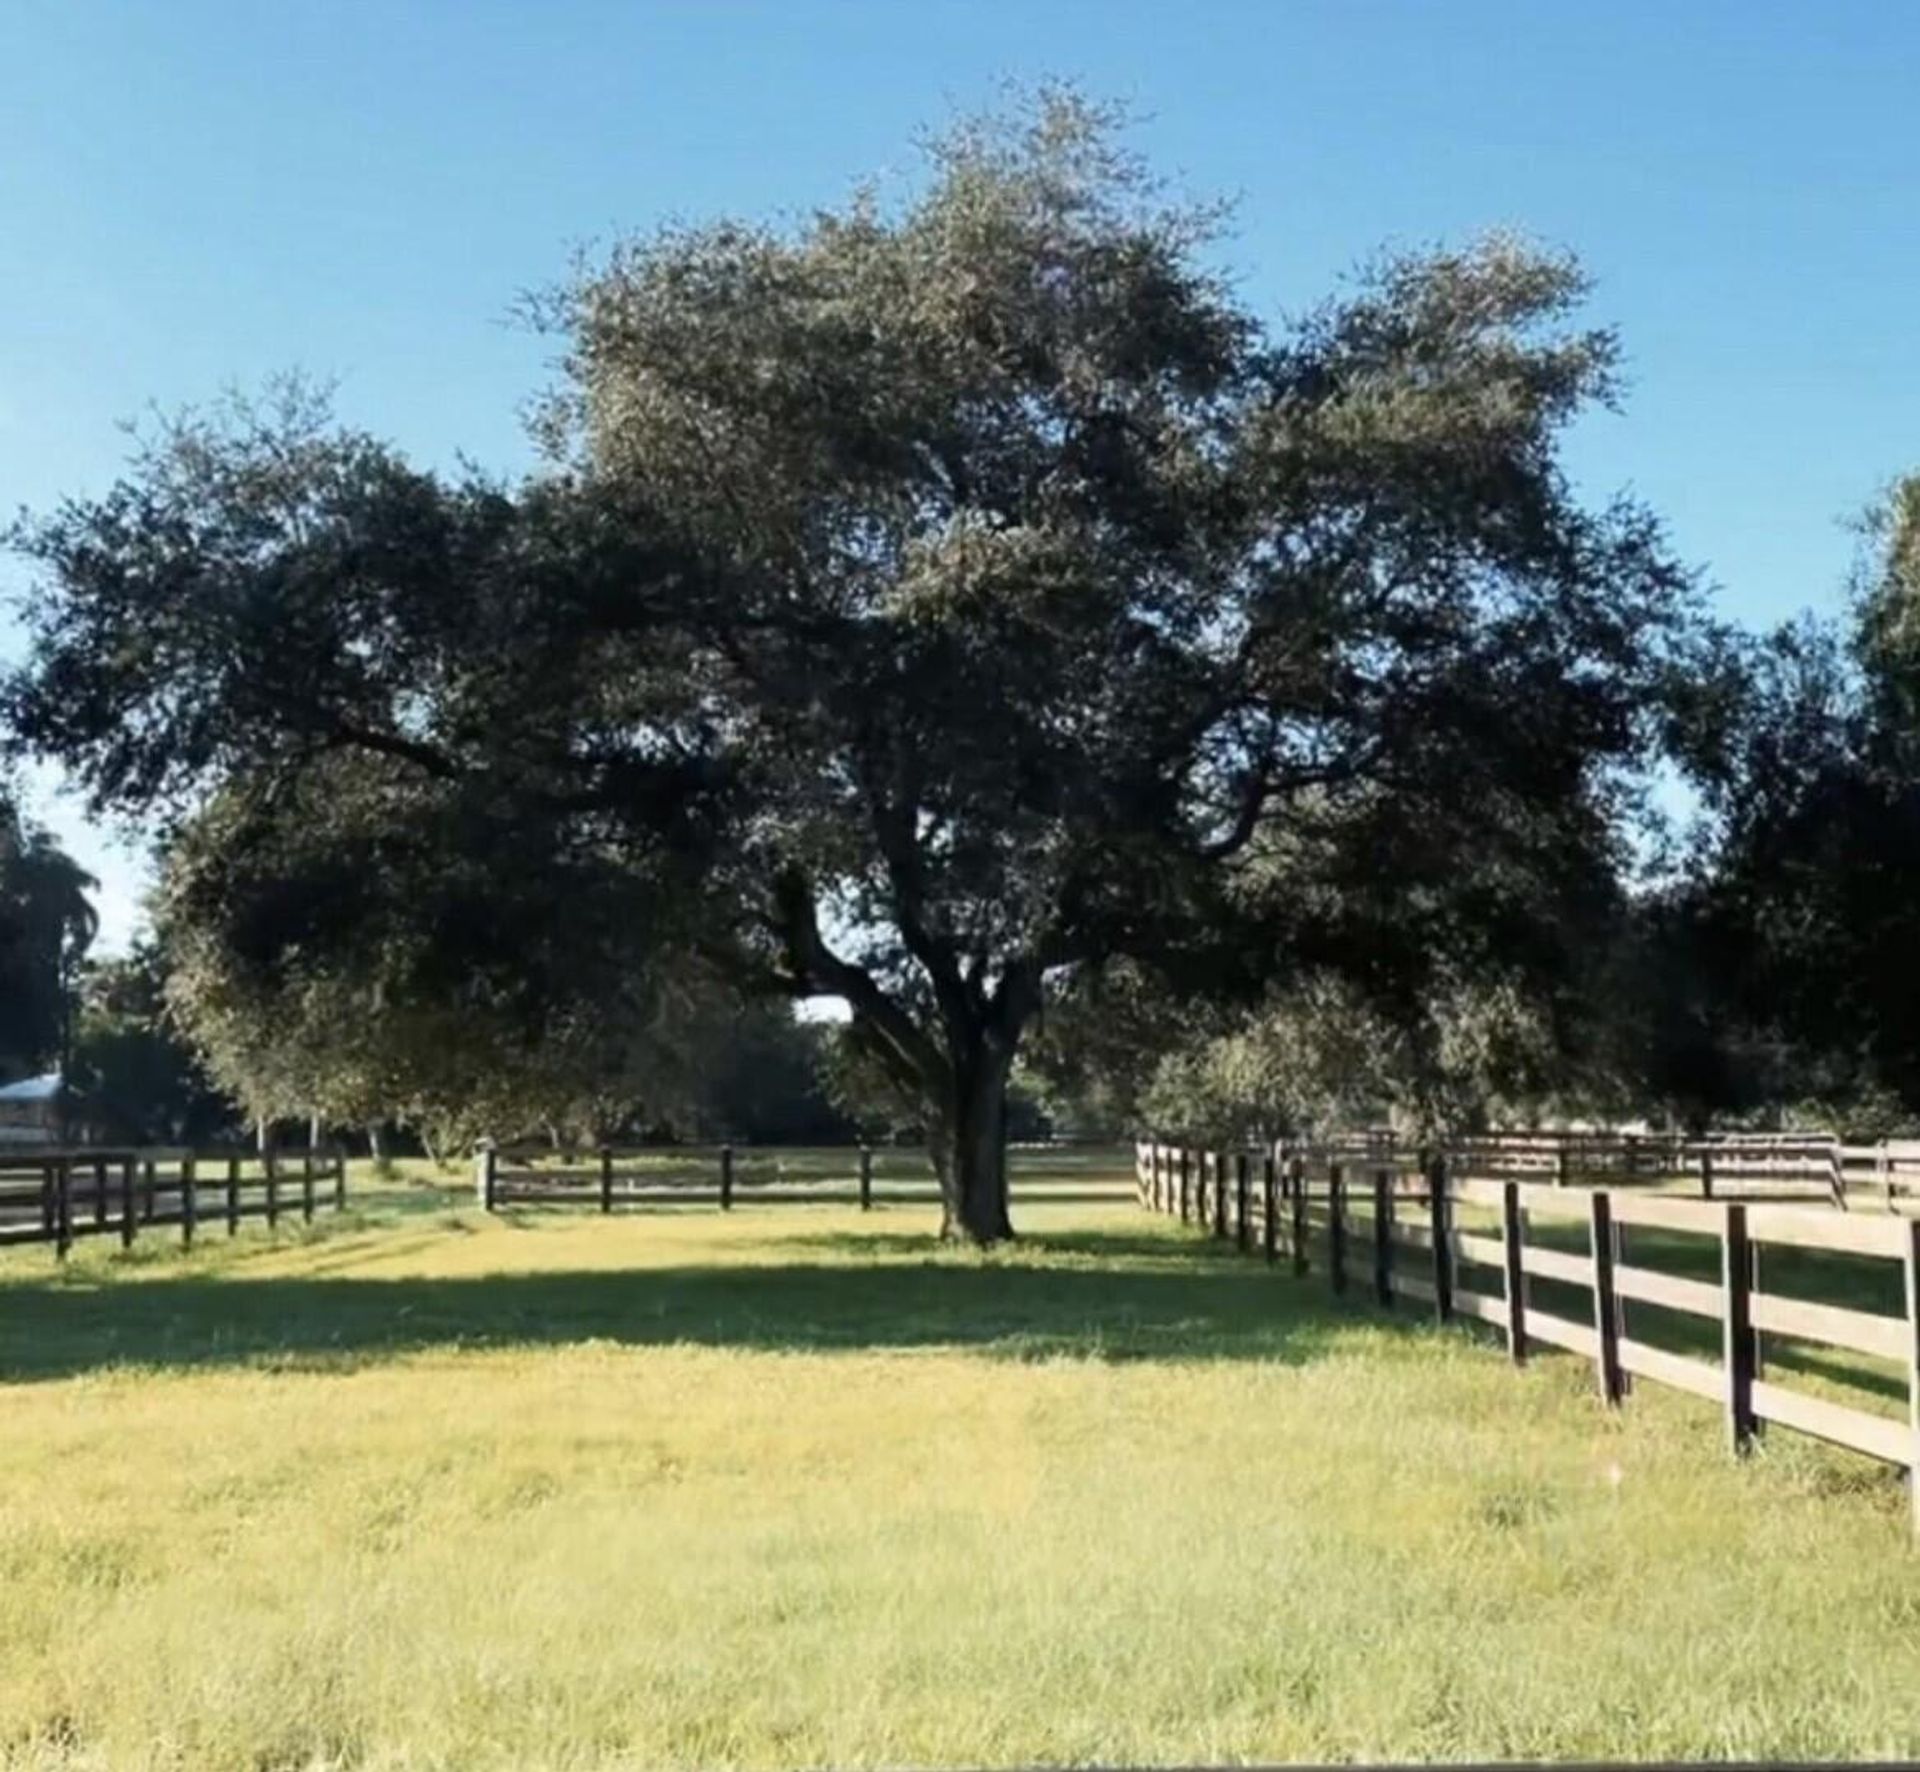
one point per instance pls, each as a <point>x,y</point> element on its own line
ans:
<point>795,1487</point>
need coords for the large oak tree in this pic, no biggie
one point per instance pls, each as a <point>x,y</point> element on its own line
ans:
<point>921,603</point>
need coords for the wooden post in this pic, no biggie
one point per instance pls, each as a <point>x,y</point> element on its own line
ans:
<point>62,1208</point>
<point>866,1178</point>
<point>1336,1227</point>
<point>1910,1263</point>
<point>485,1172</point>
<point>1186,1185</point>
<point>1562,1164</point>
<point>1270,1214</point>
<point>1242,1203</point>
<point>1441,1217</point>
<point>1383,1237</point>
<point>339,1178</point>
<point>306,1184</point>
<point>1606,1301</point>
<point>1737,1328</point>
<point>189,1201</point>
<point>1706,1172</point>
<point>273,1188</point>
<point>1297,1170</point>
<point>49,1199</point>
<point>1885,1169</point>
<point>233,1196</point>
<point>606,1179</point>
<point>151,1188</point>
<point>126,1202</point>
<point>1512,1228</point>
<point>99,1192</point>
<point>726,1178</point>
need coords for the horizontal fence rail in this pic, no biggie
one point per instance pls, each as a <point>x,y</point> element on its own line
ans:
<point>1579,1268</point>
<point>56,1196</point>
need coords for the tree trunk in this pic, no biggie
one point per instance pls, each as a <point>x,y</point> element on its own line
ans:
<point>969,1148</point>
<point>377,1144</point>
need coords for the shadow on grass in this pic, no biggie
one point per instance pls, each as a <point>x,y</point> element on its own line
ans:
<point>1149,1298</point>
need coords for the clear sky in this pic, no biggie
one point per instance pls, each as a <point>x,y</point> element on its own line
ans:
<point>193,194</point>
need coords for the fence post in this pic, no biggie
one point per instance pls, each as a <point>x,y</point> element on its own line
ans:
<point>272,1169</point>
<point>306,1184</point>
<point>126,1202</point>
<point>189,1201</point>
<point>62,1208</point>
<point>726,1178</point>
<point>866,1178</point>
<point>1910,1264</point>
<point>49,1198</point>
<point>1706,1172</point>
<point>233,1196</point>
<point>1511,1229</point>
<point>150,1189</point>
<point>606,1179</point>
<point>1606,1301</point>
<point>1241,1203</point>
<point>1336,1227</point>
<point>485,1161</point>
<point>1562,1164</point>
<point>1440,1217</point>
<point>99,1191</point>
<point>339,1178</point>
<point>1737,1328</point>
<point>1270,1214</point>
<point>1297,1170</point>
<point>1383,1236</point>
<point>1886,1176</point>
<point>1186,1185</point>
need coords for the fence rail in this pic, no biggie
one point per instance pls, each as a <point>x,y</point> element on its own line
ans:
<point>1462,1245</point>
<point>57,1196</point>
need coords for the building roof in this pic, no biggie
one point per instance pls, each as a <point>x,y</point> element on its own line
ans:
<point>32,1088</point>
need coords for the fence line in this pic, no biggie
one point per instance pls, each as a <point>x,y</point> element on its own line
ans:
<point>611,1179</point>
<point>1372,1220</point>
<point>56,1196</point>
<point>1815,1164</point>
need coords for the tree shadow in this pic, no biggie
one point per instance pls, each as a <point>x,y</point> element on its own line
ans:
<point>1149,1299</point>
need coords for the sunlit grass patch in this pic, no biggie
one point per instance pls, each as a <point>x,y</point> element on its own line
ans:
<point>795,1487</point>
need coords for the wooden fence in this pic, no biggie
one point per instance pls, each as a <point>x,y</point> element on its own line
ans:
<point>54,1196</point>
<point>608,1178</point>
<point>1814,1165</point>
<point>1461,1246</point>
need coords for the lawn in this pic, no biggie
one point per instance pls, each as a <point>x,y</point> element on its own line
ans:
<point>795,1487</point>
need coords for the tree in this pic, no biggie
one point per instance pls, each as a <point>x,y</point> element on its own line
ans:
<point>134,1078</point>
<point>930,602</point>
<point>47,923</point>
<point>1797,927</point>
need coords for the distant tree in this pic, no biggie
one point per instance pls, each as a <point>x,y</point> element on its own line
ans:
<point>923,604</point>
<point>47,924</point>
<point>134,1078</point>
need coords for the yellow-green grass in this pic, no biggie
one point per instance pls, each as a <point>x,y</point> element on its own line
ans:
<point>795,1487</point>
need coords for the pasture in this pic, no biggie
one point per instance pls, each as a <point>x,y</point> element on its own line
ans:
<point>415,1488</point>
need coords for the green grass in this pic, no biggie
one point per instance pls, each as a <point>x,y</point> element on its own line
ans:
<point>794,1487</point>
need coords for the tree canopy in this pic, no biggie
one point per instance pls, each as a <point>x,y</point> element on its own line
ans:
<point>922,604</point>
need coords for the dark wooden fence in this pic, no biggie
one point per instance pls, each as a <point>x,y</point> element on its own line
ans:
<point>1429,1232</point>
<point>55,1196</point>
<point>612,1179</point>
<point>1813,1165</point>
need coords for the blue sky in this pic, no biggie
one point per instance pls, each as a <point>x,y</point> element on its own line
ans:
<point>193,194</point>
